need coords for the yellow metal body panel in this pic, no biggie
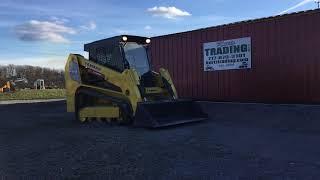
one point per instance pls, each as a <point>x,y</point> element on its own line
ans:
<point>99,112</point>
<point>71,84</point>
<point>128,81</point>
<point>164,73</point>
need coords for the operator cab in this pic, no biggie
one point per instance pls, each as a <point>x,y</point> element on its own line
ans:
<point>120,53</point>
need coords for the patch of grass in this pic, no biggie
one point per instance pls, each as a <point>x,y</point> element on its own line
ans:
<point>33,94</point>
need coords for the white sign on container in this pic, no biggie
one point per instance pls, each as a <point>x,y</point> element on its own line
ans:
<point>228,54</point>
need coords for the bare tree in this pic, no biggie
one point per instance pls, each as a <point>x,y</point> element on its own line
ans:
<point>11,71</point>
<point>53,78</point>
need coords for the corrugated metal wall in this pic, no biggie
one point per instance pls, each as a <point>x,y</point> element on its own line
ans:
<point>285,61</point>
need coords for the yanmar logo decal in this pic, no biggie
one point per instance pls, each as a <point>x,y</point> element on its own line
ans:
<point>92,66</point>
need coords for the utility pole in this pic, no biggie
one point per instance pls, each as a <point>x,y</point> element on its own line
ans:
<point>318,2</point>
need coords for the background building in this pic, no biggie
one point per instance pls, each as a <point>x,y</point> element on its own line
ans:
<point>283,52</point>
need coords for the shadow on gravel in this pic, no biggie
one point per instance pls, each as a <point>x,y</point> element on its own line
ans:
<point>286,118</point>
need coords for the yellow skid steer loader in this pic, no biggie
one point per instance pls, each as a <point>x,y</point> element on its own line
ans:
<point>8,87</point>
<point>116,83</point>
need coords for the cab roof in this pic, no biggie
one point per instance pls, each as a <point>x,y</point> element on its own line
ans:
<point>113,41</point>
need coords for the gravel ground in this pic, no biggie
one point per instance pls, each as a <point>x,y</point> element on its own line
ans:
<point>239,141</point>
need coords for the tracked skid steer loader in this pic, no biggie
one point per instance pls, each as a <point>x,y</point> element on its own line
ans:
<point>117,84</point>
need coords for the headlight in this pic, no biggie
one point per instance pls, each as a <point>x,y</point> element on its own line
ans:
<point>124,38</point>
<point>148,41</point>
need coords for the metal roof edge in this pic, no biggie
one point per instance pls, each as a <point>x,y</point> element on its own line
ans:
<point>263,19</point>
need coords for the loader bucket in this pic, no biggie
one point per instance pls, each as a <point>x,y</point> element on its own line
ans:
<point>167,113</point>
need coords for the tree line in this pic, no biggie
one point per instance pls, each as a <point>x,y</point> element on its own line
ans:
<point>52,78</point>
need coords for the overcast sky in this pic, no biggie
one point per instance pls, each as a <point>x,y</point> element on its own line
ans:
<point>43,33</point>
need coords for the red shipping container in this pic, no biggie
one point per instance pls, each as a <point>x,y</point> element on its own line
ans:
<point>285,60</point>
